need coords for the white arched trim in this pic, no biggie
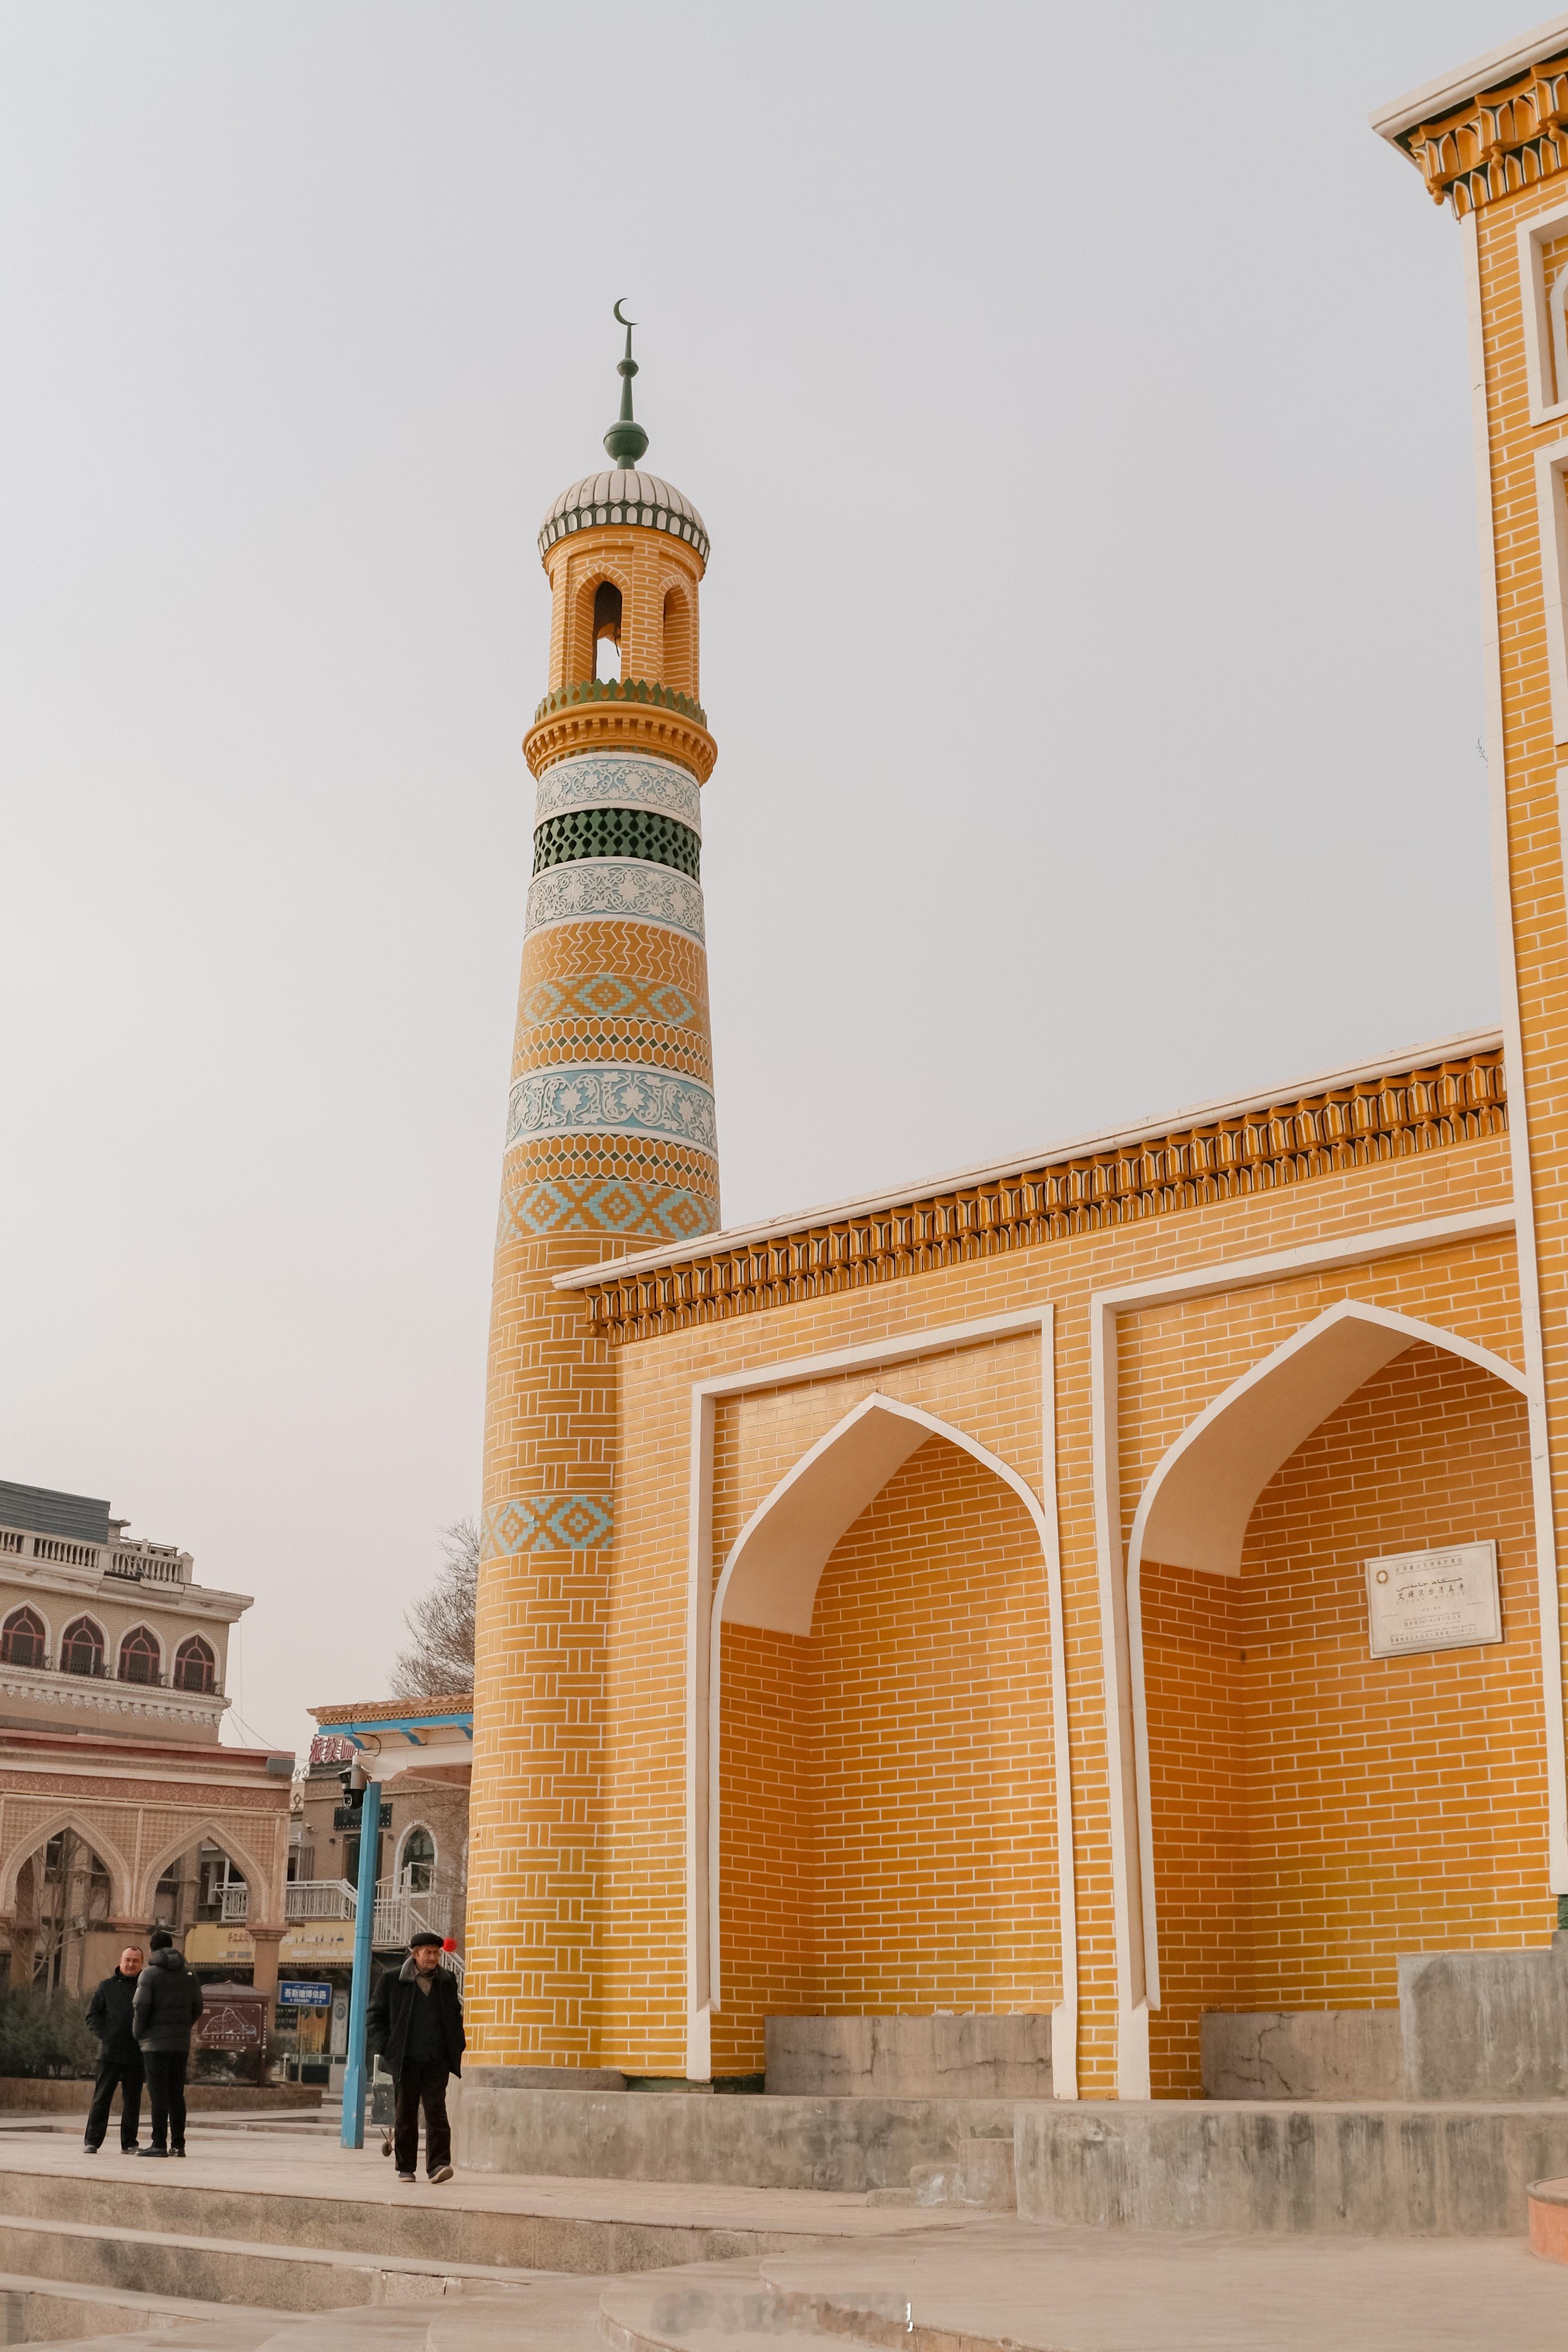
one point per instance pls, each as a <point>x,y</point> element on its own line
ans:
<point>413,1829</point>
<point>34,1841</point>
<point>30,1608</point>
<point>86,1617</point>
<point>1194,1510</point>
<point>141,1626</point>
<point>208,1831</point>
<point>1195,1507</point>
<point>771,1579</point>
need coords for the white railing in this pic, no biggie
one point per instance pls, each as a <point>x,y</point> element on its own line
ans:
<point>318,1898</point>
<point>143,1563</point>
<point>150,1563</point>
<point>399,1912</point>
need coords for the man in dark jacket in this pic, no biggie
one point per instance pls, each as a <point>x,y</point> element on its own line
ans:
<point>415,2023</point>
<point>168,2003</point>
<point>119,2060</point>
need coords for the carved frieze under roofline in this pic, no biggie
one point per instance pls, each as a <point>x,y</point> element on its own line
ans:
<point>1498,125</point>
<point>1379,1112</point>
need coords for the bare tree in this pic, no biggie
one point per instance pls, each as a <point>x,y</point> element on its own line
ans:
<point>441,1656</point>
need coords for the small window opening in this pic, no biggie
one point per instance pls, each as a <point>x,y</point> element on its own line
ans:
<point>139,1656</point>
<point>607,630</point>
<point>82,1648</point>
<point>196,1668</point>
<point>22,1643</point>
<point>678,643</point>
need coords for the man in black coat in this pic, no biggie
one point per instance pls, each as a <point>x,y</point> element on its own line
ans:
<point>119,2060</point>
<point>167,2005</point>
<point>415,2023</point>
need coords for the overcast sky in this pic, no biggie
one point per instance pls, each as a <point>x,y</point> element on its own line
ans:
<point>1076,399</point>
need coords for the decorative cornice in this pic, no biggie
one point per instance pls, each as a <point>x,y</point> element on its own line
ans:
<point>1497,141</point>
<point>615,690</point>
<point>86,1694</point>
<point>601,724</point>
<point>1362,1124</point>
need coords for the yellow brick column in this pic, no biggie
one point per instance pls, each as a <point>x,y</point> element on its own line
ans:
<point>1492,145</point>
<point>610,1141</point>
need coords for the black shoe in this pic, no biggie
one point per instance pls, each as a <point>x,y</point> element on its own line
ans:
<point>90,2146</point>
<point>177,2152</point>
<point>128,2148</point>
<point>152,2151</point>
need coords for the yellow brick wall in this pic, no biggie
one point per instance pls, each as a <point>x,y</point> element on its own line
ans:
<point>992,1393</point>
<point>888,1791</point>
<point>1318,1811</point>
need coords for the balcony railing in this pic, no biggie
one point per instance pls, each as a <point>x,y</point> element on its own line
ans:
<point>142,1563</point>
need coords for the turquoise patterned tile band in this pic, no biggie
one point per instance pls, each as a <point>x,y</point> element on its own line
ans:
<point>618,780</point>
<point>616,888</point>
<point>547,1523</point>
<point>611,1098</point>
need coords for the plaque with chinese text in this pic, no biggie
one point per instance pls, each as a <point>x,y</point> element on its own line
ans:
<point>1433,1600</point>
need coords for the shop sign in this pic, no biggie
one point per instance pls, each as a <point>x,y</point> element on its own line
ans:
<point>212,1946</point>
<point>319,1944</point>
<point>304,1996</point>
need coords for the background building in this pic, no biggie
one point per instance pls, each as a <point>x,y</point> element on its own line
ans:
<point>119,1808</point>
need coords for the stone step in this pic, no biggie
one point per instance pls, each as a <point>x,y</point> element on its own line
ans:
<point>48,2309</point>
<point>428,2226</point>
<point>218,2270</point>
<point>556,2316</point>
<point>691,2313</point>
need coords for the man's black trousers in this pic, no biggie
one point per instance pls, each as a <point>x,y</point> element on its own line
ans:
<point>124,2075</point>
<point>421,2085</point>
<point>166,2093</point>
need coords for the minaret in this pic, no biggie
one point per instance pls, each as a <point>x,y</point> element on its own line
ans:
<point>610,1143</point>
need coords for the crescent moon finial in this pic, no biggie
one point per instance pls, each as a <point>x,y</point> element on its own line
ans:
<point>625,439</point>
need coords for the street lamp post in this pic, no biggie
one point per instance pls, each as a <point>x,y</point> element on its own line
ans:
<point>352,2133</point>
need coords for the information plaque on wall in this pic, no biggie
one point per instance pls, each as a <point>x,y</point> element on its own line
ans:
<point>1434,1599</point>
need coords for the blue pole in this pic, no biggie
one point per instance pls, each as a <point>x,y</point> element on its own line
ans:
<point>352,2133</point>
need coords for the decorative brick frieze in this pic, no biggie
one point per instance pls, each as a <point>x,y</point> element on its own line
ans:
<point>1498,142</point>
<point>1286,1144</point>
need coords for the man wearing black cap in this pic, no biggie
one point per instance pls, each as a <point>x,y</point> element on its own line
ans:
<point>416,2024</point>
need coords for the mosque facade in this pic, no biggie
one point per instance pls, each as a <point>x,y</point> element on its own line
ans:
<point>1109,1591</point>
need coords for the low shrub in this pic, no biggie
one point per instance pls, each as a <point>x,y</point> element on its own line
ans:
<point>44,2033</point>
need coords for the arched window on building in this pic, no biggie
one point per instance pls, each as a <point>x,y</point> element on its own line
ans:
<point>82,1648</point>
<point>196,1668</point>
<point>418,1870</point>
<point>139,1655</point>
<point>22,1641</point>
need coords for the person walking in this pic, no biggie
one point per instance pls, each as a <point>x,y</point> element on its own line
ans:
<point>167,2004</point>
<point>119,2060</point>
<point>415,2023</point>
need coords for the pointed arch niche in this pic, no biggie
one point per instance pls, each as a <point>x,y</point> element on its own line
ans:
<point>1308,1811</point>
<point>885,1786</point>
